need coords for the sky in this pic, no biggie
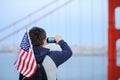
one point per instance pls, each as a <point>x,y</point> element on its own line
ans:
<point>79,22</point>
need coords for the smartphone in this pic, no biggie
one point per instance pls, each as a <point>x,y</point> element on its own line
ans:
<point>51,40</point>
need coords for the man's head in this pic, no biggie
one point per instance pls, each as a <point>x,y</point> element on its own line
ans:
<point>37,36</point>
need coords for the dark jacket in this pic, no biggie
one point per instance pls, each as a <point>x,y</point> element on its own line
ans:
<point>58,57</point>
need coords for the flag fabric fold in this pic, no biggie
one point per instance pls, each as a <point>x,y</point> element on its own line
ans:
<point>26,62</point>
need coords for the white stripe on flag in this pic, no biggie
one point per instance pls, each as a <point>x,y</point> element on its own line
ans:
<point>31,60</point>
<point>18,60</point>
<point>26,63</point>
<point>22,61</point>
<point>32,71</point>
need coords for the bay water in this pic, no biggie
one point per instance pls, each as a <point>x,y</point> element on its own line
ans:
<point>76,68</point>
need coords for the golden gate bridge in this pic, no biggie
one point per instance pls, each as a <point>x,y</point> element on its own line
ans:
<point>113,70</point>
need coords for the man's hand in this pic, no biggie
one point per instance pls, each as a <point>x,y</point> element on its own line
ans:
<point>58,38</point>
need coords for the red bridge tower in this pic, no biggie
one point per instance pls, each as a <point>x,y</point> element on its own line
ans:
<point>113,36</point>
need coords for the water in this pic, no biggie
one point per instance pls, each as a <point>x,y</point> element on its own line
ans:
<point>84,68</point>
<point>7,69</point>
<point>76,68</point>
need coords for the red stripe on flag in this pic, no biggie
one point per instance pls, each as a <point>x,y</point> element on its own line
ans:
<point>32,66</point>
<point>27,63</point>
<point>24,61</point>
<point>19,61</point>
<point>15,63</point>
<point>33,70</point>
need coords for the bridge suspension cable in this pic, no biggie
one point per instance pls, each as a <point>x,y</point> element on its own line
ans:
<point>36,20</point>
<point>27,16</point>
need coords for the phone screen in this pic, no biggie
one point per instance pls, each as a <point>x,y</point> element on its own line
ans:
<point>51,40</point>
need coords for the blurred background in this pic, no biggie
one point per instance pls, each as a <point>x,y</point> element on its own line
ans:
<point>82,23</point>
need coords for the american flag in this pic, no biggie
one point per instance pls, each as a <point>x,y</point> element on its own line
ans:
<point>26,63</point>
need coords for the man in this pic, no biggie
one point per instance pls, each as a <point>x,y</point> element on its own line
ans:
<point>49,59</point>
